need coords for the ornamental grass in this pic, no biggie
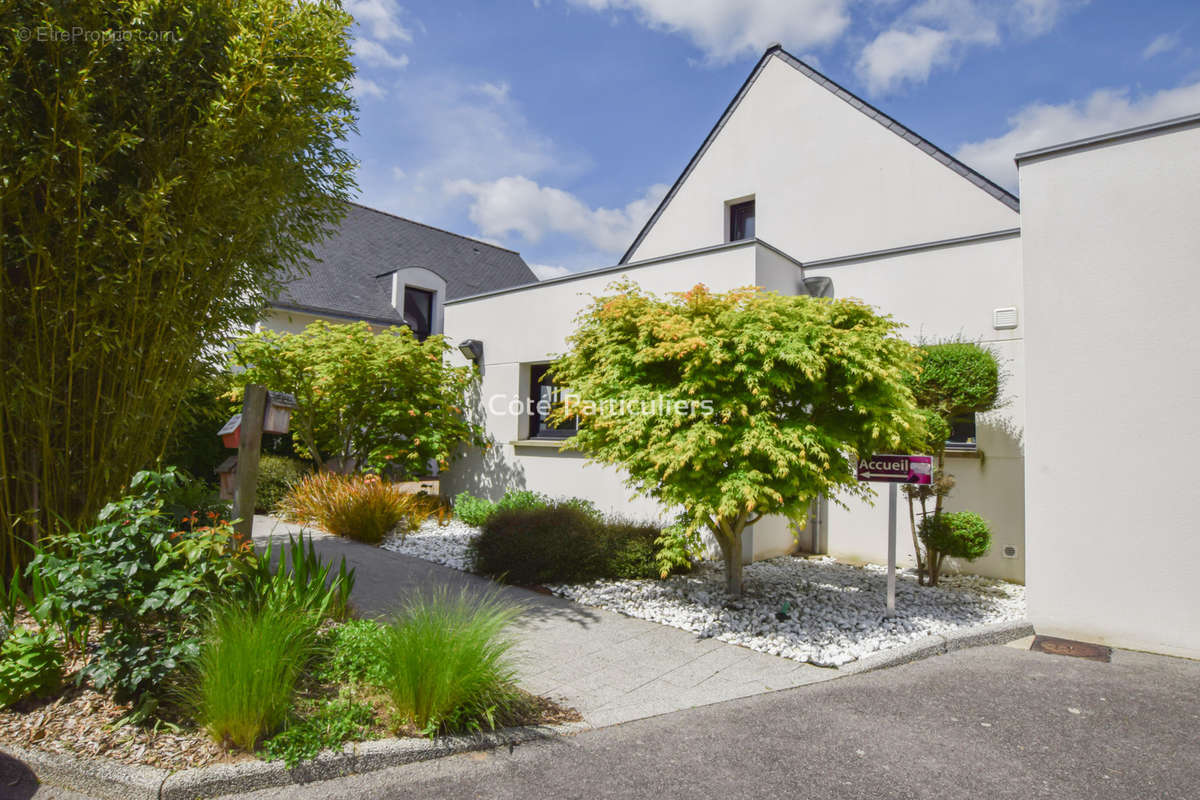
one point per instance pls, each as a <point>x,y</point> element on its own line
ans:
<point>246,674</point>
<point>359,507</point>
<point>445,663</point>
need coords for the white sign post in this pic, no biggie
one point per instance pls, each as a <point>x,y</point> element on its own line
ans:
<point>894,469</point>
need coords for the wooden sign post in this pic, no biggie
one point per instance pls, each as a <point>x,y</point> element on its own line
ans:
<point>254,405</point>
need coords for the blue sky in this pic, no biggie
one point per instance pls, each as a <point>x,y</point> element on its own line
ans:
<point>554,126</point>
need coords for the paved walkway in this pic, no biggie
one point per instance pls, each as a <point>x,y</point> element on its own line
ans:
<point>611,668</point>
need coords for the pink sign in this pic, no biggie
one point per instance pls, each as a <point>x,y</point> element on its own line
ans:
<point>883,468</point>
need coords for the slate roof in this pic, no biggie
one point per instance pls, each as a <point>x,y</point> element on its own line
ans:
<point>344,278</point>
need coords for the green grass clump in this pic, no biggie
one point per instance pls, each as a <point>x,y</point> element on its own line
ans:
<point>246,673</point>
<point>446,666</point>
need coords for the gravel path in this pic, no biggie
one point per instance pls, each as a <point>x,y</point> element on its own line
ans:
<point>815,610</point>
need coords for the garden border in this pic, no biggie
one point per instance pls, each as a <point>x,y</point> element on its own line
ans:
<point>104,779</point>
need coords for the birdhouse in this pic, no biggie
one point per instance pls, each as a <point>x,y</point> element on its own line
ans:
<point>279,412</point>
<point>429,486</point>
<point>228,474</point>
<point>231,433</point>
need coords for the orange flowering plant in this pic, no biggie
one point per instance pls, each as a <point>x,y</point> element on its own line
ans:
<point>130,592</point>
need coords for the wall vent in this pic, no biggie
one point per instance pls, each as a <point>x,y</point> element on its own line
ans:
<point>1004,318</point>
<point>1009,551</point>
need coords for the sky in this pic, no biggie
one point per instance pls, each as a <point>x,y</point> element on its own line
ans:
<point>554,127</point>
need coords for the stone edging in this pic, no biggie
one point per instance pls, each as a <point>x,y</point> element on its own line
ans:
<point>110,780</point>
<point>927,646</point>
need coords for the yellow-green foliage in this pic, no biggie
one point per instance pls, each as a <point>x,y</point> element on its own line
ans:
<point>779,397</point>
<point>383,400</point>
<point>359,507</point>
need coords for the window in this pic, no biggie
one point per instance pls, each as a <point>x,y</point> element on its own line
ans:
<point>543,396</point>
<point>962,432</point>
<point>418,311</point>
<point>741,221</point>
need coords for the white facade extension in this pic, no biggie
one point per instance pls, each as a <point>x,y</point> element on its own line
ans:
<point>1112,273</point>
<point>840,192</point>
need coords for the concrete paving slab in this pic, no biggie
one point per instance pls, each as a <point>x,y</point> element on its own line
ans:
<point>610,667</point>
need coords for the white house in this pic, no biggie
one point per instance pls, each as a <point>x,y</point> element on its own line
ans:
<point>800,187</point>
<point>803,187</point>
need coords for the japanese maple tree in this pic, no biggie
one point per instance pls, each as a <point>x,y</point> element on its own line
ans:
<point>738,405</point>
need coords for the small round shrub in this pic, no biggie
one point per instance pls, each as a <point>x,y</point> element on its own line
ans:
<point>472,510</point>
<point>630,549</point>
<point>535,546</point>
<point>476,511</point>
<point>959,534</point>
<point>276,476</point>
<point>565,542</point>
<point>521,500</point>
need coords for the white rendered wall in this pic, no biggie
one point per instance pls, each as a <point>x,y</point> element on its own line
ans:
<point>827,180</point>
<point>530,326</point>
<point>1111,252</point>
<point>941,293</point>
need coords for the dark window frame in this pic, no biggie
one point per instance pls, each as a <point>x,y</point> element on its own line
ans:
<point>428,297</point>
<point>739,213</point>
<point>538,429</point>
<point>964,432</point>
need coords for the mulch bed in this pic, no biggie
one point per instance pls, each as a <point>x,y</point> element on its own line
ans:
<point>84,722</point>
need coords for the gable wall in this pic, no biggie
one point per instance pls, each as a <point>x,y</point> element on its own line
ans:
<point>827,179</point>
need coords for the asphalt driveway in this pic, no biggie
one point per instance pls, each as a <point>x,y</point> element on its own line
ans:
<point>993,722</point>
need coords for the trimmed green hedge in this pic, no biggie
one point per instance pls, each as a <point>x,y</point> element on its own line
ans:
<point>564,542</point>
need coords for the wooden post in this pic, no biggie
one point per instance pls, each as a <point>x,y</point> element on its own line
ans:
<point>254,405</point>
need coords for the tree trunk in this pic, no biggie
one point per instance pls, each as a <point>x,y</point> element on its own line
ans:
<point>733,571</point>
<point>729,537</point>
<point>912,522</point>
<point>935,568</point>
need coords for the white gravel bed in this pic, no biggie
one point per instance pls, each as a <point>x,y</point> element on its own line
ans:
<point>441,544</point>
<point>833,613</point>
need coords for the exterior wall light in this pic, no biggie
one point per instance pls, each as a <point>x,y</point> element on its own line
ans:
<point>472,349</point>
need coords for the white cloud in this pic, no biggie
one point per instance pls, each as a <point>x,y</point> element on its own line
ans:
<point>1163,43</point>
<point>938,33</point>
<point>455,130</point>
<point>498,92</point>
<point>547,271</point>
<point>362,87</point>
<point>373,54</point>
<point>516,204</point>
<point>895,57</point>
<point>727,29</point>
<point>1040,125</point>
<point>1036,17</point>
<point>380,17</point>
